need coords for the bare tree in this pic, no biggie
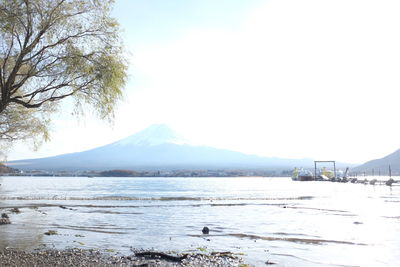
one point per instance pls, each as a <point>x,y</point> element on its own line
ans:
<point>50,50</point>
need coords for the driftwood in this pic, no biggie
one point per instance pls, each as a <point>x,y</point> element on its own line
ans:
<point>224,253</point>
<point>160,255</point>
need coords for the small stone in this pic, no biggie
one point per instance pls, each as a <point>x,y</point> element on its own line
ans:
<point>51,232</point>
<point>15,210</point>
<point>205,230</point>
<point>389,182</point>
<point>5,221</point>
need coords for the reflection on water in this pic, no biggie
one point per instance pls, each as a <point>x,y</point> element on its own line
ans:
<point>268,219</point>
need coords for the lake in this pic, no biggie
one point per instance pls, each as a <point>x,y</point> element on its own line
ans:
<point>262,219</point>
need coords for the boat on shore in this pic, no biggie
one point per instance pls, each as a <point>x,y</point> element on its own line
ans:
<point>302,175</point>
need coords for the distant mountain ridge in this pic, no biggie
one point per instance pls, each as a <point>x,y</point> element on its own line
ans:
<point>156,148</point>
<point>382,164</point>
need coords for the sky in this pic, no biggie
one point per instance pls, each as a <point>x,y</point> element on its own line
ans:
<point>280,78</point>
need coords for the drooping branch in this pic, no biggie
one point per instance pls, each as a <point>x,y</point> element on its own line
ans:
<point>51,50</point>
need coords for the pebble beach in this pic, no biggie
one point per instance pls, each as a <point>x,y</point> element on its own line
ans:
<point>80,257</point>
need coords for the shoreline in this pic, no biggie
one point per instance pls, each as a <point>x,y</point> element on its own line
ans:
<point>50,254</point>
<point>92,257</point>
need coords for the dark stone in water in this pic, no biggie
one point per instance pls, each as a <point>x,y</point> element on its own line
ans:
<point>389,182</point>
<point>205,230</point>
<point>51,232</point>
<point>4,219</point>
<point>15,210</point>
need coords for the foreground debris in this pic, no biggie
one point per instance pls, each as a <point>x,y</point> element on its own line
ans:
<point>4,219</point>
<point>80,257</point>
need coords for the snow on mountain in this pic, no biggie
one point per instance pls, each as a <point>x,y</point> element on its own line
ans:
<point>156,134</point>
<point>156,147</point>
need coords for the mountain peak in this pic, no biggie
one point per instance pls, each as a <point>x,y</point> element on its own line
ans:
<point>155,134</point>
<point>145,150</point>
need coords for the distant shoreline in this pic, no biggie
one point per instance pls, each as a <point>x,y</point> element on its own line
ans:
<point>174,173</point>
<point>81,176</point>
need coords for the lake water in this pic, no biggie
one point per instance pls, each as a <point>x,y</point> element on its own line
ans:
<point>263,219</point>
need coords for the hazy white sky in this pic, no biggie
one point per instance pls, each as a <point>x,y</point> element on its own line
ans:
<point>283,78</point>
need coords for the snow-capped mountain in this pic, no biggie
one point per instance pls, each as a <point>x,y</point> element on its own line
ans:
<point>155,148</point>
<point>156,134</point>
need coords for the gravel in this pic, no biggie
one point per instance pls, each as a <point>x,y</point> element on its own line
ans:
<point>82,257</point>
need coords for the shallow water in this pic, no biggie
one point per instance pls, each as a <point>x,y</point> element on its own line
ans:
<point>263,219</point>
